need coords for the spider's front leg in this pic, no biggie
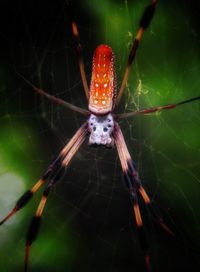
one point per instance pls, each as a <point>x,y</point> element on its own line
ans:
<point>134,185</point>
<point>53,175</point>
<point>53,168</point>
<point>67,154</point>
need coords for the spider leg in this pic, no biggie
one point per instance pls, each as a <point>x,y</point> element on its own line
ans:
<point>54,98</point>
<point>155,109</point>
<point>36,220</point>
<point>133,183</point>
<point>54,166</point>
<point>134,177</point>
<point>79,53</point>
<point>144,23</point>
<point>133,195</point>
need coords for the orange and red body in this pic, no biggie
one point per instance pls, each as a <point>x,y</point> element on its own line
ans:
<point>103,81</point>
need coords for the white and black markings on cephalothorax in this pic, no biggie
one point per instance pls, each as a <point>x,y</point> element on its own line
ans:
<point>101,129</point>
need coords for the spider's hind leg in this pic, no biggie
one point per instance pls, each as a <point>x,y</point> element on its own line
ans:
<point>144,23</point>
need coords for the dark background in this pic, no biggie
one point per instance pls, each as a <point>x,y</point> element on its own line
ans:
<point>88,224</point>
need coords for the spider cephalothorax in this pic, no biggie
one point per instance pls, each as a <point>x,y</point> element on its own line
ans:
<point>101,128</point>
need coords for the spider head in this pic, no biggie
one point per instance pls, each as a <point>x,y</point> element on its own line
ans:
<point>101,128</point>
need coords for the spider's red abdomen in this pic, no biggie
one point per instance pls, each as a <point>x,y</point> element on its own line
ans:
<point>102,87</point>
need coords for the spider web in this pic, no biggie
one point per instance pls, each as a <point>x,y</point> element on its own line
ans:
<point>88,223</point>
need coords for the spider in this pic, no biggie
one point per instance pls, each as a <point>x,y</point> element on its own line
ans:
<point>103,130</point>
